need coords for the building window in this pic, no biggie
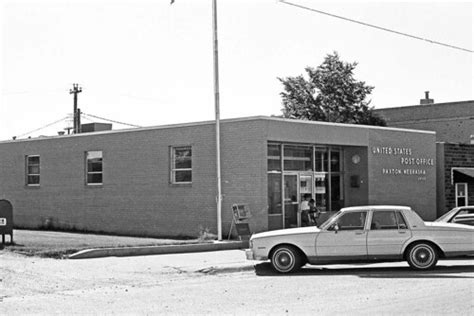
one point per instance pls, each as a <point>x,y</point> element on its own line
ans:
<point>33,170</point>
<point>274,158</point>
<point>94,168</point>
<point>461,194</point>
<point>298,158</point>
<point>181,165</point>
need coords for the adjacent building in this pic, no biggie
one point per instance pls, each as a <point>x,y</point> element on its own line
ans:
<point>161,181</point>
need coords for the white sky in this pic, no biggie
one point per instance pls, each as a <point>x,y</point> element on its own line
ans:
<point>150,63</point>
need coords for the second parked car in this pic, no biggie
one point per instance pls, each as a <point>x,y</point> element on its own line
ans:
<point>459,215</point>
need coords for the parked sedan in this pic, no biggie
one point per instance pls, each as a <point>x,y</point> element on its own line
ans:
<point>459,215</point>
<point>364,234</point>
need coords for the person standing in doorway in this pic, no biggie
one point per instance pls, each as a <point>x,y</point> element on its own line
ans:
<point>313,212</point>
<point>304,210</point>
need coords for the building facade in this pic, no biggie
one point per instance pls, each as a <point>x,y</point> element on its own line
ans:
<point>161,181</point>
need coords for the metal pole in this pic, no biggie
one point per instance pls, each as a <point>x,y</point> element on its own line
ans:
<point>76,121</point>
<point>216,103</point>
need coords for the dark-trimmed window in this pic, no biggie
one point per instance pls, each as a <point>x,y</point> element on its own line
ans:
<point>181,164</point>
<point>94,168</point>
<point>33,170</point>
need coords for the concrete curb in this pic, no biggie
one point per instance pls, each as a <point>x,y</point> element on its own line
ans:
<point>158,250</point>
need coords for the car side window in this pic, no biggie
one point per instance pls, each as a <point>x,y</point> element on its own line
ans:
<point>384,220</point>
<point>402,224</point>
<point>351,221</point>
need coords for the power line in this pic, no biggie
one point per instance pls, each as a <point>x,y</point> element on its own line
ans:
<point>43,127</point>
<point>375,26</point>
<point>37,92</point>
<point>112,121</point>
<point>69,118</point>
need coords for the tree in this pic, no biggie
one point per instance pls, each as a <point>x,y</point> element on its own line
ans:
<point>331,94</point>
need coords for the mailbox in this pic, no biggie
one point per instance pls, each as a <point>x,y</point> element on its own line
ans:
<point>6,220</point>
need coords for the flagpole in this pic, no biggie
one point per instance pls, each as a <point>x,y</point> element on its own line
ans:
<point>217,110</point>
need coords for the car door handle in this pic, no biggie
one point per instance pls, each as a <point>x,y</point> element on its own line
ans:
<point>402,232</point>
<point>360,233</point>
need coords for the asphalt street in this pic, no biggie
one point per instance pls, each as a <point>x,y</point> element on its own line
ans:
<point>224,283</point>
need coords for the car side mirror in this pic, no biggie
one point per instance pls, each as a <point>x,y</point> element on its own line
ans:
<point>336,228</point>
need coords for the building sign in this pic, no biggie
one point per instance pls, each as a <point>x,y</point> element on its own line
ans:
<point>407,163</point>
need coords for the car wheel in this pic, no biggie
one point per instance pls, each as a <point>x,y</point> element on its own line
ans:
<point>422,256</point>
<point>286,259</point>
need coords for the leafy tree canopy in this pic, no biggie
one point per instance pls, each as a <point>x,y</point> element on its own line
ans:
<point>331,94</point>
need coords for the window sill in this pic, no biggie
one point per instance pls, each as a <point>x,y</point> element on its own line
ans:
<point>33,186</point>
<point>94,186</point>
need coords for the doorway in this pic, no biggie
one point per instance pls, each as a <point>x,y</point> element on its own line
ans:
<point>296,187</point>
<point>295,171</point>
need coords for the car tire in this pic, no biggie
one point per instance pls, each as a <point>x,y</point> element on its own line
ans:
<point>422,256</point>
<point>286,259</point>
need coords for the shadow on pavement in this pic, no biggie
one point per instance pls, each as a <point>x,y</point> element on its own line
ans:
<point>440,271</point>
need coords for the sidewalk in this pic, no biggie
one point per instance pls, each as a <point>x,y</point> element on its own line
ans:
<point>158,250</point>
<point>74,245</point>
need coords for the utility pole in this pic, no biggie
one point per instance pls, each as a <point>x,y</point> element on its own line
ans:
<point>216,103</point>
<point>76,112</point>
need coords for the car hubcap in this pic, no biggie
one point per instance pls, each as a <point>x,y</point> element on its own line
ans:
<point>422,256</point>
<point>284,260</point>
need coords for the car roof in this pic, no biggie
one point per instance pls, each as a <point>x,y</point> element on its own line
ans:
<point>376,207</point>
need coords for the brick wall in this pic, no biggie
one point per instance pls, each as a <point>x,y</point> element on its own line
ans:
<point>136,197</point>
<point>452,121</point>
<point>460,156</point>
<point>402,170</point>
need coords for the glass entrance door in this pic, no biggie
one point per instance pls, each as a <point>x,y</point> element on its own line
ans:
<point>291,200</point>
<point>321,191</point>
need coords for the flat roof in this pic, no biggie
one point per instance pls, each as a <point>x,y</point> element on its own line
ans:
<point>231,120</point>
<point>435,104</point>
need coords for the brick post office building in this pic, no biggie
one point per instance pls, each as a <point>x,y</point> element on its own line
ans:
<point>161,181</point>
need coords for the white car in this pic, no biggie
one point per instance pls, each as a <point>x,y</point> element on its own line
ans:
<point>460,215</point>
<point>364,234</point>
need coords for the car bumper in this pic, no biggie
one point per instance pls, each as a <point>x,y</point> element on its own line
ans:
<point>249,254</point>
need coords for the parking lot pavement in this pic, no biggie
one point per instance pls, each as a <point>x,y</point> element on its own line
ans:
<point>224,282</point>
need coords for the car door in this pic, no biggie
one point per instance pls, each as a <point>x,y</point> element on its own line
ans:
<point>344,239</point>
<point>387,235</point>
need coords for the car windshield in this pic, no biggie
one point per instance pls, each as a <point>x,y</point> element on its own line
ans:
<point>446,216</point>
